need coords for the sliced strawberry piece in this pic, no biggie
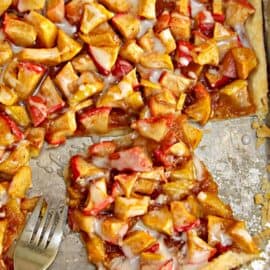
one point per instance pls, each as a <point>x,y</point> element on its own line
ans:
<point>102,149</point>
<point>228,66</point>
<point>32,67</point>
<point>168,265</point>
<point>37,109</point>
<point>15,130</point>
<point>134,159</point>
<point>104,57</point>
<point>206,23</point>
<point>162,21</point>
<point>222,249</point>
<point>121,68</point>
<point>219,18</point>
<point>154,248</point>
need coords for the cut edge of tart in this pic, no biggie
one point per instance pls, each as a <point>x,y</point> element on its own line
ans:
<point>142,70</point>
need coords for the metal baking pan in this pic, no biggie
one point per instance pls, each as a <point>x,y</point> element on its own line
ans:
<point>228,149</point>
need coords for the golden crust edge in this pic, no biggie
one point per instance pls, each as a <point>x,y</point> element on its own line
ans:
<point>258,81</point>
<point>229,260</point>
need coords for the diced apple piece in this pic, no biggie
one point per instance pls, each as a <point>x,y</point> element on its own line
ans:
<point>20,183</point>
<point>26,5</point>
<point>127,24</point>
<point>215,78</point>
<point>98,199</point>
<point>100,38</point>
<point>217,7</point>
<point>29,75</point>
<point>125,208</point>
<point>17,158</point>
<point>5,52</point>
<point>113,229</point>
<point>207,53</point>
<point>56,10</point>
<point>217,231</point>
<point>228,66</point>
<point>145,186</point>
<point>83,222</point>
<point>35,137</point>
<point>156,60</point>
<point>160,220</point>
<point>242,238</point>
<point>74,10</point>
<point>19,32</point>
<point>104,57</point>
<point>212,205</point>
<point>245,60</point>
<point>93,15</point>
<point>52,98</point>
<point>102,149</point>
<point>180,26</point>
<point>177,190</point>
<point>181,102</point>
<point>28,204</point>
<point>150,88</point>
<point>96,120</point>
<point>168,40</point>
<point>155,128</point>
<point>80,168</point>
<point>136,242</point>
<point>221,32</point>
<point>61,127</point>
<point>4,5</point>
<point>46,30</point>
<point>50,57</point>
<point>67,46</point>
<point>37,109</point>
<point>7,137</point>
<point>126,182</point>
<point>87,85</point>
<point>7,95</point>
<point>192,135</point>
<point>95,249</point>
<point>183,7</point>
<point>147,9</point>
<point>237,12</point>
<point>149,41</point>
<point>65,80</point>
<point>19,114</point>
<point>184,172</point>
<point>83,62</point>
<point>183,220</point>
<point>131,51</point>
<point>198,250</point>
<point>200,111</point>
<point>133,158</point>
<point>175,83</point>
<point>179,149</point>
<point>120,6</point>
<point>3,230</point>
<point>237,92</point>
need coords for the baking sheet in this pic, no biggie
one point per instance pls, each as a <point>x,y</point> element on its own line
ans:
<point>228,149</point>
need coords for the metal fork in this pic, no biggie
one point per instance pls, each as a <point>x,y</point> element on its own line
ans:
<point>39,242</point>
